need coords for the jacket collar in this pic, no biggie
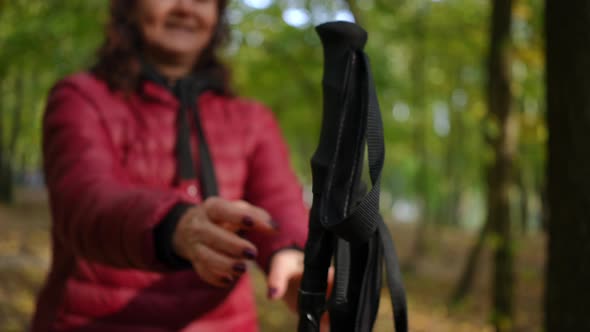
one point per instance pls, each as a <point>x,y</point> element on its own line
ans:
<point>153,92</point>
<point>156,86</point>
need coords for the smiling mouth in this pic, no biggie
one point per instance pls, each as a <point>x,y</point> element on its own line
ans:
<point>181,27</point>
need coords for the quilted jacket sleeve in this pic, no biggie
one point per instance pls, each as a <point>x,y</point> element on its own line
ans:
<point>98,213</point>
<point>273,186</point>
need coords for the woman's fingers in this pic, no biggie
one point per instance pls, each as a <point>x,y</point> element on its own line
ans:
<point>211,237</point>
<point>227,242</point>
<point>236,215</point>
<point>286,267</point>
<point>216,268</point>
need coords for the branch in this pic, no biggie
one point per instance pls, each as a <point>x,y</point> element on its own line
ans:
<point>2,130</point>
<point>356,11</point>
<point>16,115</point>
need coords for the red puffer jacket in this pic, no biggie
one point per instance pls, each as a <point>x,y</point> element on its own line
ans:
<point>110,168</point>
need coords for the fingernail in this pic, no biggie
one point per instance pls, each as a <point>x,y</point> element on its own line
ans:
<point>247,221</point>
<point>271,292</point>
<point>241,233</point>
<point>227,280</point>
<point>239,267</point>
<point>249,253</point>
<point>274,225</point>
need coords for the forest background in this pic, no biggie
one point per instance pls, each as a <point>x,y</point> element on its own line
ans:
<point>431,62</point>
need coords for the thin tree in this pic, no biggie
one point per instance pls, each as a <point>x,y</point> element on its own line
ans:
<point>500,174</point>
<point>417,72</point>
<point>8,148</point>
<point>465,282</point>
<point>355,11</point>
<point>6,188</point>
<point>567,297</point>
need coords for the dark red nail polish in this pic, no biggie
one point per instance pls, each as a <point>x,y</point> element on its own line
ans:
<point>247,221</point>
<point>274,225</point>
<point>241,233</point>
<point>227,280</point>
<point>249,253</point>
<point>271,292</point>
<point>239,267</point>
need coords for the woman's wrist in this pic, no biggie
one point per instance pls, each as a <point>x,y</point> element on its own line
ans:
<point>293,247</point>
<point>163,238</point>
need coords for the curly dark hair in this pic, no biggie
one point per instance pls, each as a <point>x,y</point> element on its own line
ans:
<point>119,57</point>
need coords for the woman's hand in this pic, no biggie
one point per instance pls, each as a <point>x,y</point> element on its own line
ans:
<point>206,236</point>
<point>284,279</point>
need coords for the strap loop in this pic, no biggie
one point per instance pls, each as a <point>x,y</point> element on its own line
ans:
<point>358,224</point>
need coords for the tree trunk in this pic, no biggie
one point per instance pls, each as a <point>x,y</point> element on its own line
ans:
<point>356,12</point>
<point>567,297</point>
<point>465,283</point>
<point>9,150</point>
<point>2,123</point>
<point>6,182</point>
<point>523,202</point>
<point>5,171</point>
<point>420,137</point>
<point>455,163</point>
<point>500,174</point>
<point>17,112</point>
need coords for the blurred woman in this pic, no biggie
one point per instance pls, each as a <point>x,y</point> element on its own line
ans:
<point>163,184</point>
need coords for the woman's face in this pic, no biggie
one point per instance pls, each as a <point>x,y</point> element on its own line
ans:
<point>177,29</point>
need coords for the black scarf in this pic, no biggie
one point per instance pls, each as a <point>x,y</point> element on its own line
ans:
<point>187,90</point>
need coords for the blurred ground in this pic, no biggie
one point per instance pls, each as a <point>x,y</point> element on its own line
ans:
<point>24,257</point>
